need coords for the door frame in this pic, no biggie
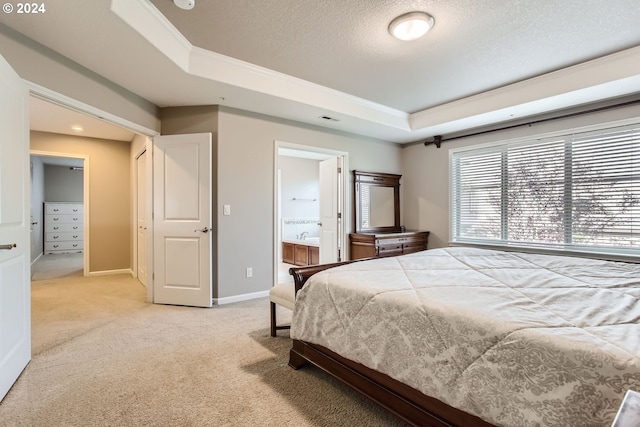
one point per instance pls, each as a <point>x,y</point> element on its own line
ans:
<point>345,196</point>
<point>85,202</point>
<point>148,149</point>
<point>61,100</point>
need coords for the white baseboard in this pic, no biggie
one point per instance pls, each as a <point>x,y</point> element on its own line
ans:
<point>111,272</point>
<point>37,258</point>
<point>238,298</point>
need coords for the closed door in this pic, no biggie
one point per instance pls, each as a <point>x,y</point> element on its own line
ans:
<point>182,220</point>
<point>15,304</point>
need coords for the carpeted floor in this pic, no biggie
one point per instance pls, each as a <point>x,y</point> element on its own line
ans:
<point>53,266</point>
<point>102,356</point>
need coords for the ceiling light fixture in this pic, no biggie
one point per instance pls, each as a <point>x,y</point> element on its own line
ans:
<point>185,4</point>
<point>411,26</point>
<point>77,128</point>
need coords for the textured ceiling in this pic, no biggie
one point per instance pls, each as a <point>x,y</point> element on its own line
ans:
<point>484,62</point>
<point>475,46</point>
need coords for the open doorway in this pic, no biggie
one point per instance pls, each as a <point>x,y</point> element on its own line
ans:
<point>310,194</point>
<point>64,128</point>
<point>58,193</point>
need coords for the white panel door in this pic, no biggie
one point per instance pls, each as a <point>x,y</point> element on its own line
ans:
<point>141,185</point>
<point>182,220</point>
<point>329,208</point>
<point>15,291</point>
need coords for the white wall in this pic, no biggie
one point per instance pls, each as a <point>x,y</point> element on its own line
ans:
<point>425,183</point>
<point>300,181</point>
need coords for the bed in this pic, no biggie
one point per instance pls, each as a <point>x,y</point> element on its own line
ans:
<point>464,336</point>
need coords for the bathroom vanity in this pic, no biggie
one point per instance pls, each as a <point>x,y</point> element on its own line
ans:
<point>301,252</point>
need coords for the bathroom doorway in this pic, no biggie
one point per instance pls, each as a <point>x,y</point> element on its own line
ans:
<point>310,219</point>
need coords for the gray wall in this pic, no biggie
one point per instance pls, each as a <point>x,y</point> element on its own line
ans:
<point>246,147</point>
<point>38,64</point>
<point>244,150</point>
<point>62,184</point>
<point>37,210</point>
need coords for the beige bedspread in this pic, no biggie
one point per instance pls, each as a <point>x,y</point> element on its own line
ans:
<point>516,339</point>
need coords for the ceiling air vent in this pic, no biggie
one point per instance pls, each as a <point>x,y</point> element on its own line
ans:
<point>329,118</point>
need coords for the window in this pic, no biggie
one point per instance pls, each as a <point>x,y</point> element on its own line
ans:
<point>578,192</point>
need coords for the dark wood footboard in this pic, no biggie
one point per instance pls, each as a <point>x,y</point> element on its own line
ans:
<point>405,402</point>
<point>302,274</point>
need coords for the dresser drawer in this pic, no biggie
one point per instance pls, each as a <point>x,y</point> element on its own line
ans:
<point>62,246</point>
<point>64,219</point>
<point>63,237</point>
<point>389,249</point>
<point>62,227</point>
<point>367,245</point>
<point>63,208</point>
<point>414,244</point>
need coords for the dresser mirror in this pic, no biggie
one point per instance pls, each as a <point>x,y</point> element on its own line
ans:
<point>377,202</point>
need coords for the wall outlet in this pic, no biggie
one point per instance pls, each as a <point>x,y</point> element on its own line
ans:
<point>249,272</point>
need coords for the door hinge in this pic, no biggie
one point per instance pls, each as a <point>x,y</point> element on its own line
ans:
<point>339,169</point>
<point>339,255</point>
<point>339,215</point>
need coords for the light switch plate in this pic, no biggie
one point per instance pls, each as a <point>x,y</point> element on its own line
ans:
<point>226,210</point>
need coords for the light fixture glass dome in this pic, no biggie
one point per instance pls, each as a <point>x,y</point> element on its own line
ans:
<point>185,4</point>
<point>411,26</point>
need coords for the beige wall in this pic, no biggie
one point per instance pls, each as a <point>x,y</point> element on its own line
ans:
<point>110,197</point>
<point>425,197</point>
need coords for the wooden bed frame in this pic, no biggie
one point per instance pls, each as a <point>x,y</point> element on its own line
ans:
<point>405,402</point>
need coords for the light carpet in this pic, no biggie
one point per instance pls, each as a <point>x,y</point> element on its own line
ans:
<point>102,356</point>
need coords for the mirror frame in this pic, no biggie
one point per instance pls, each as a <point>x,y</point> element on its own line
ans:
<point>373,179</point>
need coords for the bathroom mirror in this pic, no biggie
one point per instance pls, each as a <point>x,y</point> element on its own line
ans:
<point>377,202</point>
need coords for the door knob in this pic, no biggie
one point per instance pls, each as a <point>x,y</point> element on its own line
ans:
<point>204,230</point>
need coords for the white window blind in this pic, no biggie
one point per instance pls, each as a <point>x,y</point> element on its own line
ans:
<point>574,192</point>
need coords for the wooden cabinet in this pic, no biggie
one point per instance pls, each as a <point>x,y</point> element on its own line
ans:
<point>314,255</point>
<point>300,254</point>
<point>288,253</point>
<point>63,227</point>
<point>369,245</point>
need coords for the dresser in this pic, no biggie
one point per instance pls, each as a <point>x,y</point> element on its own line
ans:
<point>369,245</point>
<point>63,227</point>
